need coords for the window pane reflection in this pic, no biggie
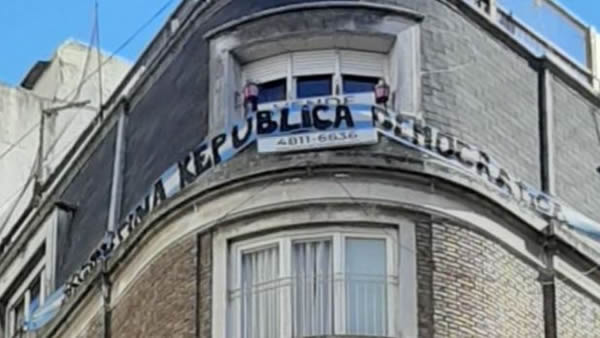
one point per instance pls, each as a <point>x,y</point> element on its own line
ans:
<point>311,86</point>
<point>366,311</point>
<point>272,91</point>
<point>359,84</point>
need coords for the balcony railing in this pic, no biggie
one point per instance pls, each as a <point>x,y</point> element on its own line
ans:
<point>546,28</point>
<point>313,302</point>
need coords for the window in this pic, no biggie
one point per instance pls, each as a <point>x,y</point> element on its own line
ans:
<point>313,86</point>
<point>272,91</point>
<point>317,75</point>
<point>326,283</point>
<point>365,286</point>
<point>260,273</point>
<point>359,84</point>
<point>312,276</point>
<point>27,298</point>
<point>18,315</point>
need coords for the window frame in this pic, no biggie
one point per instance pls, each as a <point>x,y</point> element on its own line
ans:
<point>24,293</point>
<point>336,72</point>
<point>285,240</point>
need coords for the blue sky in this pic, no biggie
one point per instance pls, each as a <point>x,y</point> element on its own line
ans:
<point>30,30</point>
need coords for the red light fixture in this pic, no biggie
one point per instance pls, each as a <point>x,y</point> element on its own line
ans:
<point>382,92</point>
<point>251,96</point>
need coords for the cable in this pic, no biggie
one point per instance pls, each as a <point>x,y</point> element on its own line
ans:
<point>20,194</point>
<point>127,42</point>
<point>88,77</point>
<point>77,94</point>
<point>99,55</point>
<point>77,90</point>
<point>14,145</point>
<point>86,63</point>
<point>46,156</point>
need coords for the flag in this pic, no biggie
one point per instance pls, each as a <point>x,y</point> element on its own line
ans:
<point>40,315</point>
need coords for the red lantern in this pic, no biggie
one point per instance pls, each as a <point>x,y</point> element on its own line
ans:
<point>251,96</point>
<point>382,92</point>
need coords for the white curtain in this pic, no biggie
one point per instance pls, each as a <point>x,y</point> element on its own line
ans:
<point>366,291</point>
<point>260,294</point>
<point>313,288</point>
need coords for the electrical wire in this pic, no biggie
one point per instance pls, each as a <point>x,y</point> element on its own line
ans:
<point>23,188</point>
<point>77,90</point>
<point>85,78</point>
<point>15,144</point>
<point>99,55</point>
<point>126,42</point>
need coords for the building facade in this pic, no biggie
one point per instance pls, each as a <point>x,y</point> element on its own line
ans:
<point>293,168</point>
<point>43,117</point>
<point>41,121</point>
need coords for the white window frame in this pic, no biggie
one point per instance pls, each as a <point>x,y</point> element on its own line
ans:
<point>291,75</point>
<point>284,240</point>
<point>24,292</point>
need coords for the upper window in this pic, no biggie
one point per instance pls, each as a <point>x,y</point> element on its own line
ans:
<point>28,298</point>
<point>272,91</point>
<point>315,75</point>
<point>313,86</point>
<point>353,84</point>
<point>323,284</point>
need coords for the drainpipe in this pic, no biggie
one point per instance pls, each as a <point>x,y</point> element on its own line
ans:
<point>593,56</point>
<point>114,212</point>
<point>106,299</point>
<point>547,276</point>
<point>546,129</point>
<point>548,280</point>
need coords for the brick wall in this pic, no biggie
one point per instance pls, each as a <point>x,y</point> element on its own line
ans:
<point>576,149</point>
<point>486,94</point>
<point>95,329</point>
<point>425,280</point>
<point>578,313</point>
<point>162,302</point>
<point>205,286</point>
<point>480,289</point>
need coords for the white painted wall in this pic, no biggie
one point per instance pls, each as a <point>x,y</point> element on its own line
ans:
<point>20,112</point>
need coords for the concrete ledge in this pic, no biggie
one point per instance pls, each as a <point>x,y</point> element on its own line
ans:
<point>315,5</point>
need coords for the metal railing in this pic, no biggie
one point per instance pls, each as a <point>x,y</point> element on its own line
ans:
<point>313,302</point>
<point>546,28</point>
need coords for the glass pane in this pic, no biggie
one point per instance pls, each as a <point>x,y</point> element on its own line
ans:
<point>312,86</point>
<point>35,295</point>
<point>272,91</point>
<point>366,306</point>
<point>19,316</point>
<point>312,269</point>
<point>359,84</point>
<point>260,294</point>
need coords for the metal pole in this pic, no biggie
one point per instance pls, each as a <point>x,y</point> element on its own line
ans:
<point>37,188</point>
<point>117,179</point>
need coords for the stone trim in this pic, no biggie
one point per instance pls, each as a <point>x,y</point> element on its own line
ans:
<point>315,5</point>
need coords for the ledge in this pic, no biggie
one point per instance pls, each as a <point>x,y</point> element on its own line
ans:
<point>315,5</point>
